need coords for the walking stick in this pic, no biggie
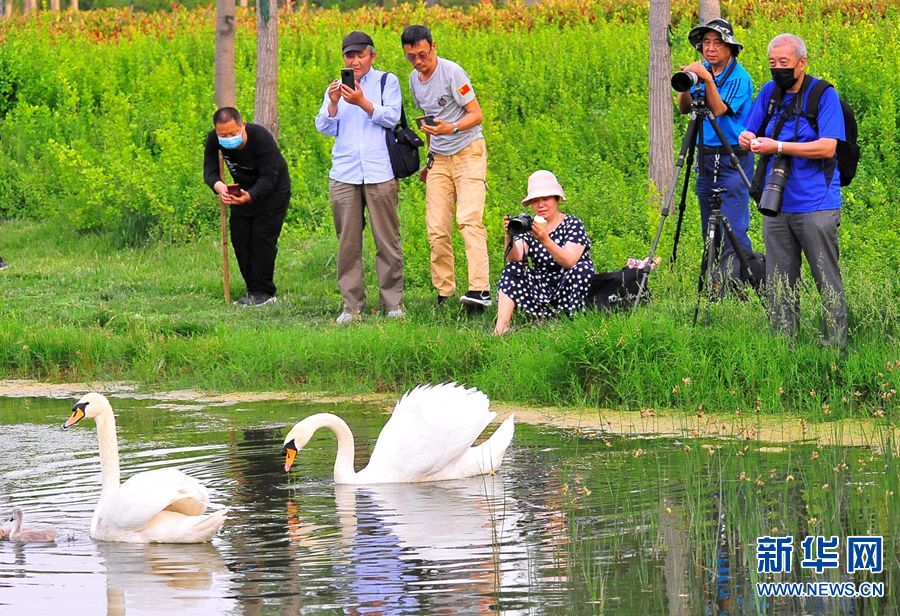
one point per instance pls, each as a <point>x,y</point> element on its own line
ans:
<point>222,222</point>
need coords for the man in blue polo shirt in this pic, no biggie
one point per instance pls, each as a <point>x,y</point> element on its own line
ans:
<point>811,205</point>
<point>728,91</point>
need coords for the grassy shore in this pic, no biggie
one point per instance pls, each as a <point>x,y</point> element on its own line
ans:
<point>75,306</point>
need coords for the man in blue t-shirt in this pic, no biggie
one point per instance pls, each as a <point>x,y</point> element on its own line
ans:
<point>728,91</point>
<point>811,205</point>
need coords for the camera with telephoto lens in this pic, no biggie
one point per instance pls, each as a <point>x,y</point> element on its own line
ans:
<point>520,224</point>
<point>682,81</point>
<point>773,193</point>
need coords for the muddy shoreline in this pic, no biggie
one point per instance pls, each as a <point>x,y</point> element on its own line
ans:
<point>596,422</point>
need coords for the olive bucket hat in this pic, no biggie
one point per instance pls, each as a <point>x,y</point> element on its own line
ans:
<point>715,25</point>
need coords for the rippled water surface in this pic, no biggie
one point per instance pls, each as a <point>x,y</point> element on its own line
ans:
<point>573,523</point>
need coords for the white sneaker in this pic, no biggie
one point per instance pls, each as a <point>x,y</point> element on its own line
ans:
<point>396,313</point>
<point>348,316</point>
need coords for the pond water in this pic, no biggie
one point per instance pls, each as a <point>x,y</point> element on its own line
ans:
<point>575,521</point>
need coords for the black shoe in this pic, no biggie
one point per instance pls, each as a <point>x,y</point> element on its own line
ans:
<point>441,299</point>
<point>476,298</point>
<point>245,301</point>
<point>3,264</point>
<point>262,299</point>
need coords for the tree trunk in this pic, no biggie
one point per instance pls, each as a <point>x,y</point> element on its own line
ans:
<point>243,3</point>
<point>709,9</point>
<point>73,6</point>
<point>29,6</point>
<point>54,5</point>
<point>224,58</point>
<point>7,8</point>
<point>662,167</point>
<point>266,110</point>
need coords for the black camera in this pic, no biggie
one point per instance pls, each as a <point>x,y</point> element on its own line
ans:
<point>520,224</point>
<point>773,193</point>
<point>682,81</point>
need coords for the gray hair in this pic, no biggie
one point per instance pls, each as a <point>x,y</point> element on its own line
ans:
<point>795,42</point>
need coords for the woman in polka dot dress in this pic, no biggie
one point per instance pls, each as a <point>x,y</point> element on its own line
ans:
<point>557,279</point>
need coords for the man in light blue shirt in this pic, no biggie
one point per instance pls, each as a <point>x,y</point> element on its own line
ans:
<point>361,177</point>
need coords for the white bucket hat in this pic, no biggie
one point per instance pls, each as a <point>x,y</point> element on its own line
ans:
<point>543,184</point>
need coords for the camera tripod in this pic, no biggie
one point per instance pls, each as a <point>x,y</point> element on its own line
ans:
<point>694,134</point>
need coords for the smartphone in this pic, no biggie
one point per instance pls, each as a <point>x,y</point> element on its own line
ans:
<point>234,189</point>
<point>347,78</point>
<point>425,119</point>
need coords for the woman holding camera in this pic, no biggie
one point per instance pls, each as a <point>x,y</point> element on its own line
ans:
<point>557,244</point>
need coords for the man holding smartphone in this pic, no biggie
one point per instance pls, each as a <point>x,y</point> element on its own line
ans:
<point>259,199</point>
<point>361,177</point>
<point>455,175</point>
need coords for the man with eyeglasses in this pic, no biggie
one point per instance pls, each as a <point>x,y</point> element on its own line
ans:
<point>455,175</point>
<point>259,199</point>
<point>728,91</point>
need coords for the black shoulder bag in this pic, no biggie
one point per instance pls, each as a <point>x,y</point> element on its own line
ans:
<point>402,143</point>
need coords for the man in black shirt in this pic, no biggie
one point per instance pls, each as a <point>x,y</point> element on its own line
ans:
<point>258,204</point>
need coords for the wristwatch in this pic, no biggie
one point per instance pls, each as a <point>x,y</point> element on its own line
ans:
<point>455,127</point>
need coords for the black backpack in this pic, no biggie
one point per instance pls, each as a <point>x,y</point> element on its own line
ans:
<point>612,291</point>
<point>848,150</point>
<point>402,143</point>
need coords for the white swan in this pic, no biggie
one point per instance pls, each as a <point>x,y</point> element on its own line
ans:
<point>428,438</point>
<point>159,506</point>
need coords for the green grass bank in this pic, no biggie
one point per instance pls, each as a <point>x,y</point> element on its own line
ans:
<point>109,230</point>
<point>74,306</point>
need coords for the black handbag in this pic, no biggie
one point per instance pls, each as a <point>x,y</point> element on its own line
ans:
<point>402,143</point>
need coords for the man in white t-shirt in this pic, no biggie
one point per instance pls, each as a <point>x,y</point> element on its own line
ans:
<point>457,165</point>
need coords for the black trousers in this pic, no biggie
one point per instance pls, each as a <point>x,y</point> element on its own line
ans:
<point>255,228</point>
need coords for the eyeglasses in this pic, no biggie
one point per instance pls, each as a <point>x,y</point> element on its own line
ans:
<point>714,43</point>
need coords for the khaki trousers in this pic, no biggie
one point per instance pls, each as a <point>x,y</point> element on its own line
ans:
<point>456,185</point>
<point>348,205</point>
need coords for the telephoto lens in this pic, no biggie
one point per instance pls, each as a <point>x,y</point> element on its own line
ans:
<point>682,81</point>
<point>773,193</point>
<point>519,224</point>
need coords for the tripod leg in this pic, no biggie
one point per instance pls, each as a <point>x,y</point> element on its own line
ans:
<point>732,157</point>
<point>741,251</point>
<point>682,204</point>
<point>687,144</point>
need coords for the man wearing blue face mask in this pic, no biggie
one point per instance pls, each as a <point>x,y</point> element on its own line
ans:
<point>259,203</point>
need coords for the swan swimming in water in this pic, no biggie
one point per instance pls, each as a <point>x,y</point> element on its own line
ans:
<point>428,438</point>
<point>17,532</point>
<point>158,506</point>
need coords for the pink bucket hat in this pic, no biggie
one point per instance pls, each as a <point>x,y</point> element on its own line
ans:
<point>543,184</point>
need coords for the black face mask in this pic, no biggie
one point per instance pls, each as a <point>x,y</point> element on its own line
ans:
<point>783,77</point>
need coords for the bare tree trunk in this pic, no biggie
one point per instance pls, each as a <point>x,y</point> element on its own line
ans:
<point>73,6</point>
<point>662,167</point>
<point>244,3</point>
<point>29,7</point>
<point>224,71</point>
<point>7,8</point>
<point>709,9</point>
<point>266,110</point>
<point>54,5</point>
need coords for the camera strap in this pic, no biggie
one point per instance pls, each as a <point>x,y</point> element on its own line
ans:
<point>762,167</point>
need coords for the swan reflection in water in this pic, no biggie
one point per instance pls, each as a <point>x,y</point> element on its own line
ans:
<point>165,578</point>
<point>409,548</point>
